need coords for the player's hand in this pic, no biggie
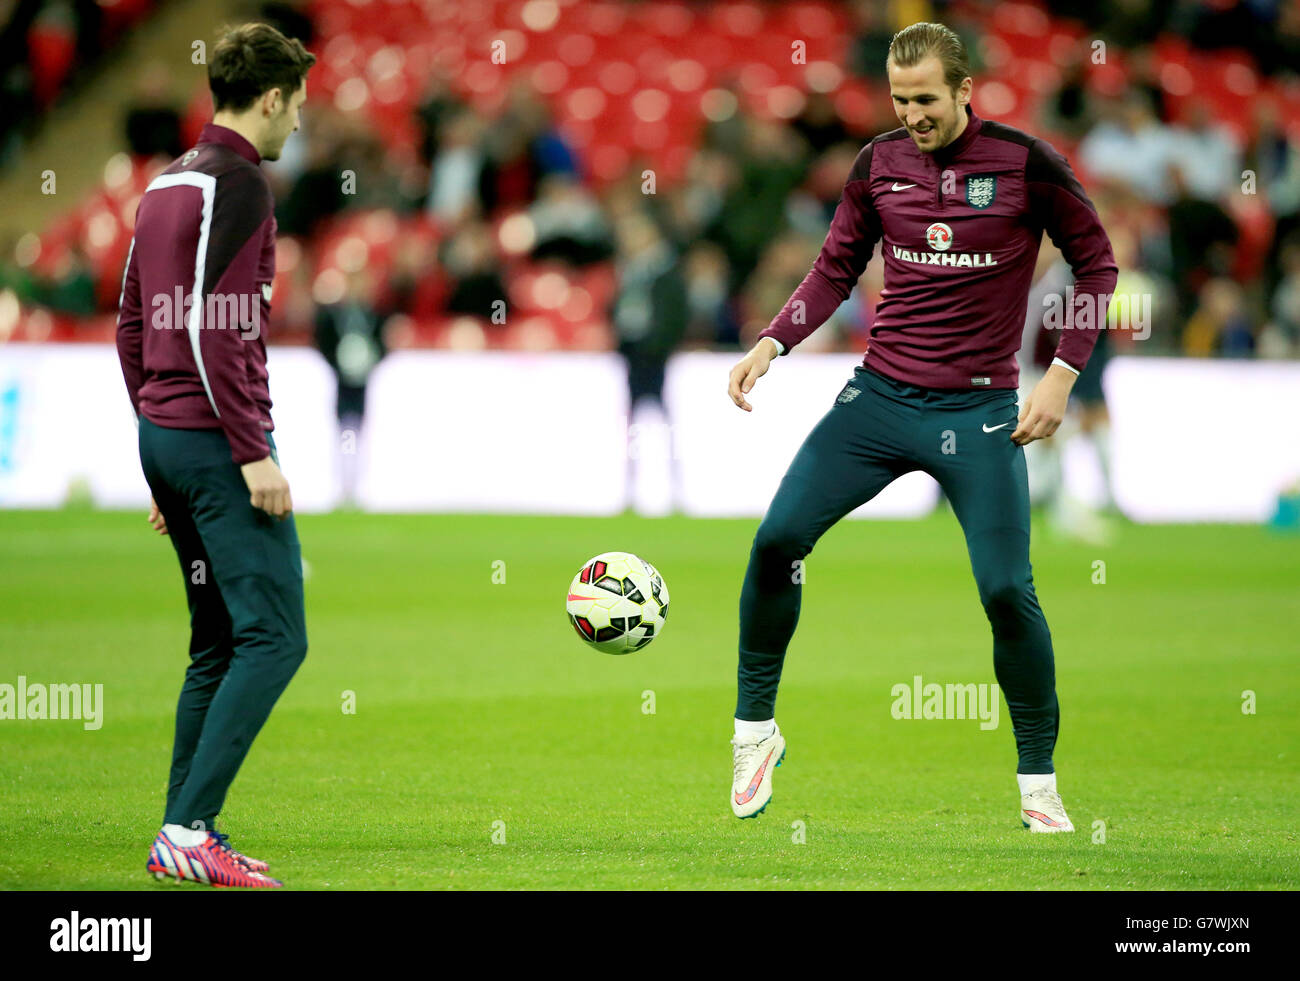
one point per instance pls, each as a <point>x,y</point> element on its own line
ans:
<point>156,519</point>
<point>748,370</point>
<point>267,489</point>
<point>1044,410</point>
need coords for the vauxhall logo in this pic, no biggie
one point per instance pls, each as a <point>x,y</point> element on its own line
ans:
<point>940,238</point>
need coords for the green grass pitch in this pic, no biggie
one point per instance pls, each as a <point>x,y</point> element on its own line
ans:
<point>490,749</point>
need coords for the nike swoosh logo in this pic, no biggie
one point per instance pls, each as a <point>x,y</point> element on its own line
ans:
<point>1044,818</point>
<point>574,596</point>
<point>993,429</point>
<point>752,789</point>
<point>901,187</point>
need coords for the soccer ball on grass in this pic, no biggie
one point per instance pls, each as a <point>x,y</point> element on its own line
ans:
<point>617,602</point>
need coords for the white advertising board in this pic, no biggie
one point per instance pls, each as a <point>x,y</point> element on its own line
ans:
<point>513,432</point>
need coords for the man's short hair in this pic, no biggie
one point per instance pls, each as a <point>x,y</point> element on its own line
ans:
<point>912,45</point>
<point>250,60</point>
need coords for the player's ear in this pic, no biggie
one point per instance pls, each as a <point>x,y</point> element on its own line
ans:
<point>964,91</point>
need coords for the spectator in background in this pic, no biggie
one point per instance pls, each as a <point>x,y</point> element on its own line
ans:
<point>153,123</point>
<point>459,170</point>
<point>711,319</point>
<point>779,272</point>
<point>1275,159</point>
<point>438,104</point>
<point>512,172</point>
<point>568,223</point>
<point>649,316</point>
<point>349,333</point>
<point>1207,154</point>
<point>819,124</point>
<point>1131,148</point>
<point>649,312</point>
<point>316,193</point>
<point>1220,324</point>
<point>695,207</point>
<point>1068,110</point>
<point>375,182</point>
<point>872,33</point>
<point>416,284</point>
<point>773,163</point>
<point>1202,241</point>
<point>1144,76</point>
<point>523,146</point>
<point>471,264</point>
<point>811,208</point>
<point>725,131</point>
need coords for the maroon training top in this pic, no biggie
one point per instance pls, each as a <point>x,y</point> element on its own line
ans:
<point>961,229</point>
<point>196,295</point>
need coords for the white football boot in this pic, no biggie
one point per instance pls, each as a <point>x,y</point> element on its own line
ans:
<point>1041,810</point>
<point>751,786</point>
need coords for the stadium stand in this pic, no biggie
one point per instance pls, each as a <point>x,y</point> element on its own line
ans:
<point>504,140</point>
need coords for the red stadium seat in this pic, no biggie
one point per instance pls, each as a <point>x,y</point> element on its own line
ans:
<point>51,50</point>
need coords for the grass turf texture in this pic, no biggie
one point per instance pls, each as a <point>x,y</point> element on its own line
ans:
<point>477,704</point>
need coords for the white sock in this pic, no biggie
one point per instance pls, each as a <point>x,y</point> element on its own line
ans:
<point>753,732</point>
<point>184,837</point>
<point>1031,781</point>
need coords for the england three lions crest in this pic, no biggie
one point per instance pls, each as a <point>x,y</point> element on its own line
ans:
<point>981,189</point>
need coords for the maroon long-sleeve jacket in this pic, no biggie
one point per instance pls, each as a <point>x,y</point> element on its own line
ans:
<point>196,295</point>
<point>960,230</point>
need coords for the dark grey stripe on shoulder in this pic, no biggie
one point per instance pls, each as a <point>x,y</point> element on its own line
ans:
<point>243,202</point>
<point>861,170</point>
<point>862,166</point>
<point>1046,165</point>
<point>1001,131</point>
<point>893,134</point>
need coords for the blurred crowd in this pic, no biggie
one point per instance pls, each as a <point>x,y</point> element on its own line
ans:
<point>1213,221</point>
<point>1207,225</point>
<point>1204,222</point>
<point>48,48</point>
<point>702,261</point>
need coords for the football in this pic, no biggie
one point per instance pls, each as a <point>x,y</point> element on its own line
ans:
<point>617,602</point>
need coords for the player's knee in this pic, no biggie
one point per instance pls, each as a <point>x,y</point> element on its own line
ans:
<point>289,654</point>
<point>1002,597</point>
<point>779,541</point>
